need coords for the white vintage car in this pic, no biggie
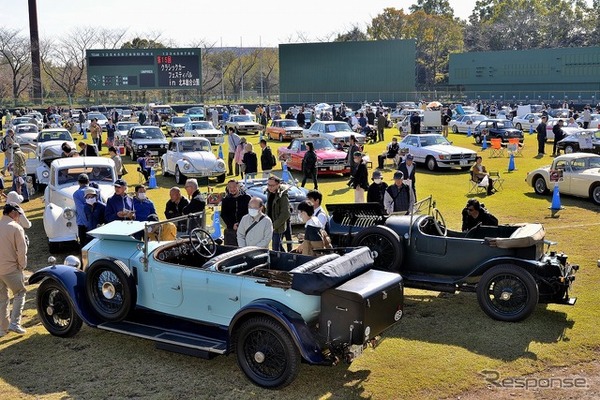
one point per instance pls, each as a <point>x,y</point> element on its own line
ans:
<point>203,129</point>
<point>191,157</point>
<point>60,221</point>
<point>435,151</point>
<point>580,176</point>
<point>49,148</point>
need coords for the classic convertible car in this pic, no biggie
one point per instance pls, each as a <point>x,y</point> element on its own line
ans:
<point>330,161</point>
<point>505,265</point>
<point>189,295</point>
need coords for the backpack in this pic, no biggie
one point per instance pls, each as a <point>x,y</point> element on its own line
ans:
<point>3,145</point>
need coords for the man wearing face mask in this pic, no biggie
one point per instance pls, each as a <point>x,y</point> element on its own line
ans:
<point>94,213</point>
<point>255,228</point>
<point>143,206</point>
<point>376,192</point>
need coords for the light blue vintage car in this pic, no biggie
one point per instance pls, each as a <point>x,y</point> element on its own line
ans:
<point>189,295</point>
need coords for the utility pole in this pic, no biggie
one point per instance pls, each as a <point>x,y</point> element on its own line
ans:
<point>222,75</point>
<point>35,53</point>
<point>241,69</point>
<point>262,53</point>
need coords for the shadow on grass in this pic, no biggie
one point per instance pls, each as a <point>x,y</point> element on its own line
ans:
<point>457,320</point>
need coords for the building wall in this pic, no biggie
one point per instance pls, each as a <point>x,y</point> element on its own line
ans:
<point>346,71</point>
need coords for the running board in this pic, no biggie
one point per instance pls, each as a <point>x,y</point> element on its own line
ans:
<point>176,341</point>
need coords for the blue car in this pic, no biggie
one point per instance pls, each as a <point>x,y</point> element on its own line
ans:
<point>272,310</point>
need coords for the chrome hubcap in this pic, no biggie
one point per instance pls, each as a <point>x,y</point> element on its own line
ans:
<point>50,310</point>
<point>259,357</point>
<point>505,296</point>
<point>108,290</point>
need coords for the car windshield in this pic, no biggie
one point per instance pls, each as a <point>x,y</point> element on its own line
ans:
<point>338,127</point>
<point>180,120</point>
<point>320,144</point>
<point>287,123</point>
<point>504,124</point>
<point>202,125</point>
<point>96,174</point>
<point>148,133</point>
<point>26,128</point>
<point>46,136</point>
<point>194,145</point>
<point>91,116</point>
<point>433,140</point>
<point>125,126</point>
<point>242,118</point>
<point>195,110</point>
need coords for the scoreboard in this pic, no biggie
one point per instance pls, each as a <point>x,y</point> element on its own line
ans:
<point>144,69</point>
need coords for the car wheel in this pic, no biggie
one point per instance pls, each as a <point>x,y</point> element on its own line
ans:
<point>431,163</point>
<point>108,290</point>
<point>266,353</point>
<point>179,177</point>
<point>454,128</point>
<point>53,247</point>
<point>539,185</point>
<point>508,293</point>
<point>478,139</point>
<point>163,169</point>
<point>519,126</point>
<point>570,149</point>
<point>56,310</point>
<point>386,245</point>
<point>595,194</point>
<point>221,178</point>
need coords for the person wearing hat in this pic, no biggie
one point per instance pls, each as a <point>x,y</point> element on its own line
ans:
<point>94,212</point>
<point>398,197</point>
<point>20,172</point>
<point>407,167</point>
<point>376,192</point>
<point>13,261</point>
<point>143,206</point>
<point>14,197</point>
<point>392,150</point>
<point>119,206</point>
<point>360,181</point>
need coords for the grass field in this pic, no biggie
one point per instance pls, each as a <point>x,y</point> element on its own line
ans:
<point>438,349</point>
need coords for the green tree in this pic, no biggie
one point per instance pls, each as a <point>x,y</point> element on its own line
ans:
<point>433,7</point>
<point>141,43</point>
<point>353,35</point>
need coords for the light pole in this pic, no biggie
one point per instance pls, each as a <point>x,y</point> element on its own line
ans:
<point>35,52</point>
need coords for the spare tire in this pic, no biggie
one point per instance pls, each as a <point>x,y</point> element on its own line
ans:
<point>110,289</point>
<point>387,245</point>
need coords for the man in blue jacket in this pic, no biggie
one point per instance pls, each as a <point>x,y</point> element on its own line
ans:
<point>143,206</point>
<point>119,206</point>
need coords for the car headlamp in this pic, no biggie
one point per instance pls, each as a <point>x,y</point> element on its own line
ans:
<point>140,147</point>
<point>186,166</point>
<point>220,165</point>
<point>72,261</point>
<point>45,174</point>
<point>69,213</point>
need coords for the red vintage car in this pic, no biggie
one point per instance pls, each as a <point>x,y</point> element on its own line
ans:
<point>329,160</point>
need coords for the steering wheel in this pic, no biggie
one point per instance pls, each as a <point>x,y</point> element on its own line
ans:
<point>438,221</point>
<point>205,245</point>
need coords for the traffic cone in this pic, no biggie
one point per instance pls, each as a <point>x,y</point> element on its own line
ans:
<point>220,154</point>
<point>85,134</point>
<point>484,143</point>
<point>285,175</point>
<point>511,163</point>
<point>152,180</point>
<point>555,207</point>
<point>469,131</point>
<point>216,225</point>
<point>531,129</point>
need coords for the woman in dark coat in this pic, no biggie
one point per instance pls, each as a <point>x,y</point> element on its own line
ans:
<point>309,165</point>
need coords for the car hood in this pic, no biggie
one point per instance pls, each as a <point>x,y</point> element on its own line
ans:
<point>295,194</point>
<point>118,230</point>
<point>331,154</point>
<point>106,190</point>
<point>200,159</point>
<point>150,141</point>
<point>207,131</point>
<point>448,149</point>
<point>245,123</point>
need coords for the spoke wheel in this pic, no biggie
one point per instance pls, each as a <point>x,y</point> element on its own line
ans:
<point>507,293</point>
<point>266,353</point>
<point>56,310</point>
<point>108,290</point>
<point>539,185</point>
<point>385,244</point>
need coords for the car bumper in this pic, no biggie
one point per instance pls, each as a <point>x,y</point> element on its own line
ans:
<point>455,163</point>
<point>153,152</point>
<point>333,169</point>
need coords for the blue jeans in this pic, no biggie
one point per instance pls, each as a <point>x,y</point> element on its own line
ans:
<point>24,191</point>
<point>276,242</point>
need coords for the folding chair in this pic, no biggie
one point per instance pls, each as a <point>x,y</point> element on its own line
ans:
<point>515,147</point>
<point>497,180</point>
<point>474,186</point>
<point>496,149</point>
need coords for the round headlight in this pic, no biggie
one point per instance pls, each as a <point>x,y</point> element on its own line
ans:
<point>72,261</point>
<point>186,166</point>
<point>69,213</point>
<point>145,146</point>
<point>45,174</point>
<point>220,165</point>
<point>140,147</point>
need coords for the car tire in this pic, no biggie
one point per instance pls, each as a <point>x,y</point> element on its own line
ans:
<point>179,177</point>
<point>385,243</point>
<point>108,289</point>
<point>56,310</point>
<point>266,353</point>
<point>539,185</point>
<point>221,178</point>
<point>507,293</point>
<point>430,163</point>
<point>454,128</point>
<point>163,169</point>
<point>477,139</point>
<point>569,149</point>
<point>595,194</point>
<point>519,126</point>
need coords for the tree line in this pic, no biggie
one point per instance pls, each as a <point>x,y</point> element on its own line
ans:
<point>227,73</point>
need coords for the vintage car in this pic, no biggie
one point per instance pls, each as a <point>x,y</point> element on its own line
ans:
<point>175,125</point>
<point>578,175</point>
<point>496,128</point>
<point>272,310</point>
<point>330,161</point>
<point>191,157</point>
<point>527,122</point>
<point>49,148</point>
<point>505,265</point>
<point>204,129</point>
<point>195,113</point>
<point>243,124</point>
<point>296,194</point>
<point>581,140</point>
<point>463,123</point>
<point>26,133</point>
<point>435,151</point>
<point>284,129</point>
<point>594,122</point>
<point>59,216</point>
<point>102,120</point>
<point>122,128</point>
<point>335,131</point>
<point>141,139</point>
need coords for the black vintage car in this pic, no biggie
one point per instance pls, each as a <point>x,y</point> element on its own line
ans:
<point>142,139</point>
<point>587,141</point>
<point>496,128</point>
<point>506,265</point>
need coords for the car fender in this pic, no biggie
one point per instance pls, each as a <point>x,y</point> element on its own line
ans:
<point>528,265</point>
<point>289,319</point>
<point>55,225</point>
<point>73,281</point>
<point>39,174</point>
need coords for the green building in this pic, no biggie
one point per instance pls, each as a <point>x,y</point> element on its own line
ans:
<point>347,71</point>
<point>549,75</point>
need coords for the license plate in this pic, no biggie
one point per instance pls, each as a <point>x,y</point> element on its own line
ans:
<point>464,162</point>
<point>337,167</point>
<point>153,153</point>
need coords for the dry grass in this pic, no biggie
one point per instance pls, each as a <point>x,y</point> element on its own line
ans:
<point>437,350</point>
